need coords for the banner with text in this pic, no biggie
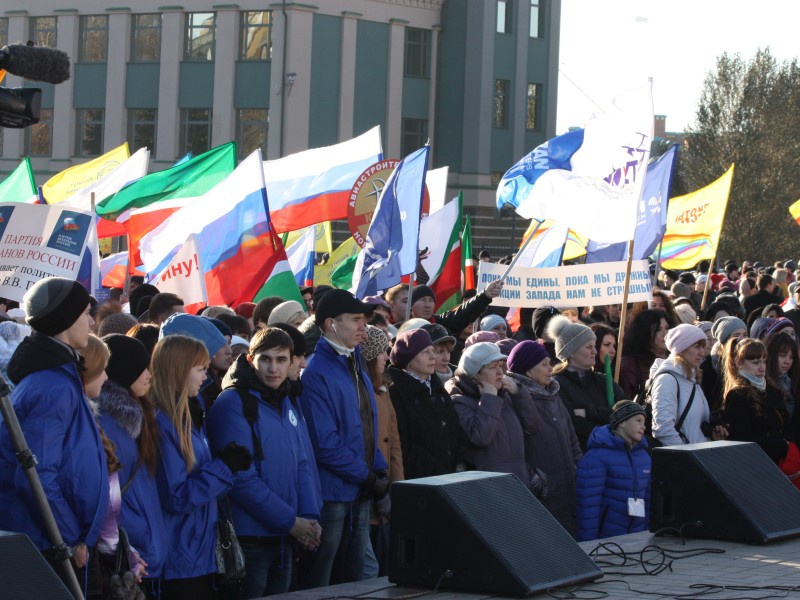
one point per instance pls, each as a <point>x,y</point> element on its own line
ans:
<point>183,276</point>
<point>597,284</point>
<point>38,241</point>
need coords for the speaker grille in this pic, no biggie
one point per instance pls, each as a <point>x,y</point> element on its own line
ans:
<point>755,485</point>
<point>530,540</point>
<point>25,574</point>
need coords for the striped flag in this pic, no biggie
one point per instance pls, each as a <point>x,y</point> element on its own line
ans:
<point>466,253</point>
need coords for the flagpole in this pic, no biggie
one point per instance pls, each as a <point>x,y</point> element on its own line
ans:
<point>658,262</point>
<point>520,251</point>
<point>708,281</point>
<point>411,279</point>
<point>624,312</point>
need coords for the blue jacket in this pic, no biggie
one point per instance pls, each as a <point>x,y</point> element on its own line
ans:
<point>608,475</point>
<point>267,497</point>
<point>330,404</point>
<point>190,502</point>
<point>141,514</point>
<point>60,430</point>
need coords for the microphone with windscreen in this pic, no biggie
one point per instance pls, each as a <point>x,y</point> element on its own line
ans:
<point>35,63</point>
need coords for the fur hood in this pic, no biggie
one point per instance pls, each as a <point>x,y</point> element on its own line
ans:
<point>117,402</point>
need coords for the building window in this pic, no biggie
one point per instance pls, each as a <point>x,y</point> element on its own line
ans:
<point>531,113</point>
<point>39,137</point>
<point>43,31</point>
<point>94,39</point>
<point>252,125</point>
<point>200,32</point>
<point>416,60</point>
<point>146,37</point>
<point>256,35</point>
<point>504,15</point>
<point>3,31</point>
<point>536,18</point>
<point>501,87</point>
<point>88,131</point>
<point>142,128</point>
<point>414,135</point>
<point>195,130</point>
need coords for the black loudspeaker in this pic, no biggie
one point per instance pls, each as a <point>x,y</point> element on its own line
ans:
<point>480,532</point>
<point>25,573</point>
<point>722,490</point>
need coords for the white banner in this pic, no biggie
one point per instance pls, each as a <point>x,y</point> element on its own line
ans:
<point>597,284</point>
<point>183,276</point>
<point>38,241</point>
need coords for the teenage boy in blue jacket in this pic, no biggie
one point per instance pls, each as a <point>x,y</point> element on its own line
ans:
<point>58,425</point>
<point>339,405</point>
<point>274,502</point>
<point>613,479</point>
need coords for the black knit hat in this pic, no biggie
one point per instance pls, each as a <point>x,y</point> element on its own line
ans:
<point>128,359</point>
<point>625,412</point>
<point>135,297</point>
<point>422,291</point>
<point>298,339</point>
<point>53,304</point>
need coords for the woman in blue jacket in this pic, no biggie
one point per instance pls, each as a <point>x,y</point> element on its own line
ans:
<point>189,478</point>
<point>128,419</point>
<point>613,481</point>
<point>273,503</point>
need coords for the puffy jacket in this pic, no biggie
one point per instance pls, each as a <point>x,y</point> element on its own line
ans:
<point>190,501</point>
<point>330,404</point>
<point>588,392</point>
<point>608,474</point>
<point>141,515</point>
<point>60,429</point>
<point>670,394</point>
<point>431,436</point>
<point>268,497</point>
<point>495,426</point>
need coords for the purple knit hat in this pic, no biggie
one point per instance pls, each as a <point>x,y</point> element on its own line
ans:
<point>407,345</point>
<point>481,336</point>
<point>525,356</point>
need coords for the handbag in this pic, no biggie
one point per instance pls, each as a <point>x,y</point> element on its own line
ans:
<point>230,558</point>
<point>121,581</point>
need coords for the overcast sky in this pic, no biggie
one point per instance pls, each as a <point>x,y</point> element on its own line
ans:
<point>610,46</point>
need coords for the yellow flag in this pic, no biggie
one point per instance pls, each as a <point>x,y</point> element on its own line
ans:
<point>323,241</point>
<point>794,210</point>
<point>694,223</point>
<point>322,274</point>
<point>576,243</point>
<point>62,185</point>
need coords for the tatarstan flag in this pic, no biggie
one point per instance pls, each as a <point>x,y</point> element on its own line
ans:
<point>439,237</point>
<point>466,252</point>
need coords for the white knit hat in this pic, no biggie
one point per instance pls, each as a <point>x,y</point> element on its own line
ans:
<point>682,337</point>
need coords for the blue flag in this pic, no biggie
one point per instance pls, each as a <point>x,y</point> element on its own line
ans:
<point>391,249</point>
<point>651,222</point>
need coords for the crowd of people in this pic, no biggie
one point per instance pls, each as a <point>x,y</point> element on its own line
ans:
<point>293,420</point>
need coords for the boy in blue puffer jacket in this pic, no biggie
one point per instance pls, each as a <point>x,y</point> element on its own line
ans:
<point>613,480</point>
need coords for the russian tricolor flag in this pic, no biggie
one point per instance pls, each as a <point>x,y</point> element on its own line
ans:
<point>314,186</point>
<point>237,247</point>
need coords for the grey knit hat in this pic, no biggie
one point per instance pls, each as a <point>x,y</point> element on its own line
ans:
<point>681,290</point>
<point>478,356</point>
<point>625,412</point>
<point>568,336</point>
<point>116,323</point>
<point>725,326</point>
<point>53,304</point>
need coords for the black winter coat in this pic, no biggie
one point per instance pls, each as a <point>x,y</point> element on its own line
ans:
<point>589,393</point>
<point>431,437</point>
<point>764,422</point>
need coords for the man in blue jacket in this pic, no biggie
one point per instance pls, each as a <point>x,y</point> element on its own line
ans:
<point>339,405</point>
<point>58,425</point>
<point>275,499</point>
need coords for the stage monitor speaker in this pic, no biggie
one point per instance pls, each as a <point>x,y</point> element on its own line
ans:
<point>480,532</point>
<point>722,490</point>
<point>25,573</point>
